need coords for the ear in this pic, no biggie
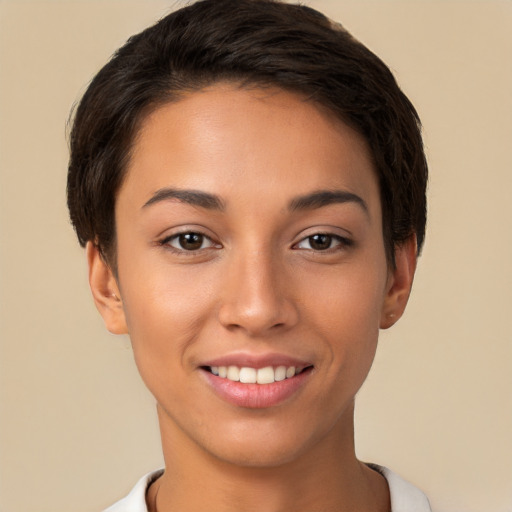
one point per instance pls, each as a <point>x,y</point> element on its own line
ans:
<point>105,291</point>
<point>399,283</point>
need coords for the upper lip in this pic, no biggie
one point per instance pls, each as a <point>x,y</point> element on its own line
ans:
<point>257,360</point>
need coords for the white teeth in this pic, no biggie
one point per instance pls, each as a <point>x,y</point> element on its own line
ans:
<point>248,375</point>
<point>233,373</point>
<point>280,373</point>
<point>266,375</point>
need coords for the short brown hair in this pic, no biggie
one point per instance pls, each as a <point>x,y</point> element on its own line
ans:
<point>250,42</point>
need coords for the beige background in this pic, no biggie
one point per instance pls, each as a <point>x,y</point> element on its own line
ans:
<point>77,426</point>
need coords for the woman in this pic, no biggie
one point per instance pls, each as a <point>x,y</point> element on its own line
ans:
<point>249,183</point>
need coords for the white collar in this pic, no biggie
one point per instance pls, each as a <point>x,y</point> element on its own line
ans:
<point>404,496</point>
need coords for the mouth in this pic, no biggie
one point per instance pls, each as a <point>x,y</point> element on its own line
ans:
<point>263,376</point>
<point>259,386</point>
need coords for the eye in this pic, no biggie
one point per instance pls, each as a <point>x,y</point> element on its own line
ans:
<point>323,242</point>
<point>189,241</point>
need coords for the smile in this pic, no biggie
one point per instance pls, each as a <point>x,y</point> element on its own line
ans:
<point>249,375</point>
<point>254,385</point>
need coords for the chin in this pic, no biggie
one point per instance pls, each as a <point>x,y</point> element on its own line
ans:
<point>255,456</point>
<point>259,447</point>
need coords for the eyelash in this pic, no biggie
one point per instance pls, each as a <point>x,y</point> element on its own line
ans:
<point>340,243</point>
<point>166,242</point>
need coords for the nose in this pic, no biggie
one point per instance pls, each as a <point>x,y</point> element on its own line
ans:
<point>257,297</point>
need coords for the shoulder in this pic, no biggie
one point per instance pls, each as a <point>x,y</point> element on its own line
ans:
<point>405,497</point>
<point>136,500</point>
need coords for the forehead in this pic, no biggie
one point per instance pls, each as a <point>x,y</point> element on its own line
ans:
<point>226,138</point>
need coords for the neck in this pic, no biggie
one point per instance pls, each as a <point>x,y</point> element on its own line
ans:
<point>326,477</point>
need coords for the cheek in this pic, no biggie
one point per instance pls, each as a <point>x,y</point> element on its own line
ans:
<point>165,308</point>
<point>347,316</point>
<point>349,298</point>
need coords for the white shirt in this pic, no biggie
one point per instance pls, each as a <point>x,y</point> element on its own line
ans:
<point>404,496</point>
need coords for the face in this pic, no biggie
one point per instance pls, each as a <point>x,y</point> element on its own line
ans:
<point>252,275</point>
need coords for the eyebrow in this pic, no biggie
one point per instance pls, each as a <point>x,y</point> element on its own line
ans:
<point>192,197</point>
<point>321,198</point>
<point>314,200</point>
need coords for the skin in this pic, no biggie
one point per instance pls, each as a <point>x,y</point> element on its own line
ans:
<point>256,284</point>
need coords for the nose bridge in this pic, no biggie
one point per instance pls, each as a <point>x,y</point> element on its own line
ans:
<point>256,297</point>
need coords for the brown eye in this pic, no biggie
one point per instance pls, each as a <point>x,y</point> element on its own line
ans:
<point>324,242</point>
<point>189,241</point>
<point>320,242</point>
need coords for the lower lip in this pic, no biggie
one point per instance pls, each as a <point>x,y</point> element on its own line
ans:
<point>256,396</point>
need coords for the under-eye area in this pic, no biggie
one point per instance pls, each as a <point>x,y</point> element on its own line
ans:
<point>249,375</point>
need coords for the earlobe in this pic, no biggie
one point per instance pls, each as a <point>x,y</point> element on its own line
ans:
<point>105,291</point>
<point>399,283</point>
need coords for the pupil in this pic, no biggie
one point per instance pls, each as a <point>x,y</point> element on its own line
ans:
<point>191,241</point>
<point>320,242</point>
